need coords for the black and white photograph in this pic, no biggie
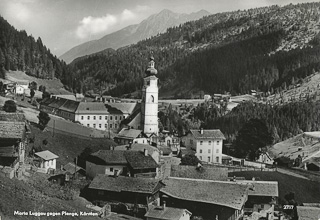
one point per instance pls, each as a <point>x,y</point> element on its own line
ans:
<point>160,109</point>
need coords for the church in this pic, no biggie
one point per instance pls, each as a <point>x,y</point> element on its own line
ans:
<point>145,119</point>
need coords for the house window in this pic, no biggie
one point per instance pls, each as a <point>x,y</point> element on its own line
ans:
<point>99,125</point>
<point>217,159</point>
<point>106,125</point>
<point>218,142</point>
<point>116,118</point>
<point>209,159</point>
<point>217,151</point>
<point>94,125</point>
<point>81,117</point>
<point>106,117</point>
<point>110,117</point>
<point>201,142</point>
<point>209,151</point>
<point>100,117</point>
<point>200,151</point>
<point>88,125</point>
<point>111,169</point>
<point>110,125</point>
<point>209,142</point>
<point>88,117</point>
<point>94,117</point>
<point>100,192</point>
<point>200,158</point>
<point>115,126</point>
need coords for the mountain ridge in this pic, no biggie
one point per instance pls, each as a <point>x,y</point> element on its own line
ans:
<point>154,24</point>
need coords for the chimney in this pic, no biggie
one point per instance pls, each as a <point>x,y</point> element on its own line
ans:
<point>145,152</point>
<point>201,130</point>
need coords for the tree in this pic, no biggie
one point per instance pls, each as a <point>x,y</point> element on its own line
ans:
<point>43,119</point>
<point>32,93</point>
<point>190,159</point>
<point>33,85</point>
<point>253,135</point>
<point>10,106</point>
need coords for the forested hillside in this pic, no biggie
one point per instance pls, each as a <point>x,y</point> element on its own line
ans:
<point>20,51</point>
<point>261,48</point>
<point>283,121</point>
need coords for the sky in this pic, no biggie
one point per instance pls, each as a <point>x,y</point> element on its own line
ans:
<point>63,24</point>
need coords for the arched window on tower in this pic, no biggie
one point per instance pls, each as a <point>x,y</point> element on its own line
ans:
<point>151,99</point>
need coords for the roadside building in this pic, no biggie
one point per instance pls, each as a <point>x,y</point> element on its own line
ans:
<point>209,199</point>
<point>167,213</point>
<point>121,162</point>
<point>308,211</point>
<point>265,158</point>
<point>207,144</point>
<point>47,160</point>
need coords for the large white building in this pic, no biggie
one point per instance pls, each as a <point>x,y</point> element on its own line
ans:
<point>149,103</point>
<point>207,144</point>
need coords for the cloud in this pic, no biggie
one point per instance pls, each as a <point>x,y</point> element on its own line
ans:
<point>18,11</point>
<point>141,8</point>
<point>95,25</point>
<point>127,15</point>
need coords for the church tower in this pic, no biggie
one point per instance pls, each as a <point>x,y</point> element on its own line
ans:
<point>149,103</point>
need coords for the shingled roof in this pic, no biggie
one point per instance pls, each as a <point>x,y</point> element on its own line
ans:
<point>167,213</point>
<point>12,130</point>
<point>70,106</point>
<point>308,213</point>
<point>206,191</point>
<point>208,134</point>
<point>261,188</point>
<point>207,173</point>
<point>91,107</point>
<point>129,133</point>
<point>126,184</point>
<point>46,155</point>
<point>126,108</point>
<point>135,159</point>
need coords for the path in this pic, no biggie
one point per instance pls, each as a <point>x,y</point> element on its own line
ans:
<point>284,171</point>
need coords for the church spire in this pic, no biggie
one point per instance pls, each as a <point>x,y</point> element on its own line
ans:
<point>151,71</point>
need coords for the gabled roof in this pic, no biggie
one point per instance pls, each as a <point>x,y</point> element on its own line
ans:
<point>91,107</point>
<point>261,188</point>
<point>126,133</point>
<point>46,155</point>
<point>68,97</point>
<point>167,213</point>
<point>135,159</point>
<point>72,168</point>
<point>308,213</point>
<point>165,150</point>
<point>13,117</point>
<point>126,184</point>
<point>208,134</point>
<point>206,191</point>
<point>124,107</point>
<point>57,103</point>
<point>70,106</point>
<point>207,173</point>
<point>138,147</point>
<point>12,130</point>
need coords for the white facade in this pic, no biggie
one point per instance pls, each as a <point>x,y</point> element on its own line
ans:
<point>209,151</point>
<point>97,121</point>
<point>93,169</point>
<point>20,89</point>
<point>47,164</point>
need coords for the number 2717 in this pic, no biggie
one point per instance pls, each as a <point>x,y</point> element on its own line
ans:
<point>288,207</point>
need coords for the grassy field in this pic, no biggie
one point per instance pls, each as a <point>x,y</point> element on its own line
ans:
<point>65,146</point>
<point>305,190</point>
<point>53,86</point>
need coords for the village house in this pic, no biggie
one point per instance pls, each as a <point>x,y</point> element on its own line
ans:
<point>135,194</point>
<point>128,135</point>
<point>152,151</point>
<point>165,140</point>
<point>308,211</point>
<point>21,87</point>
<point>265,158</point>
<point>207,144</point>
<point>205,198</point>
<point>167,213</point>
<point>13,129</point>
<point>121,162</point>
<point>262,197</point>
<point>47,160</point>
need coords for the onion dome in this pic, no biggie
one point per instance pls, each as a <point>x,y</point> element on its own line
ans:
<point>151,71</point>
